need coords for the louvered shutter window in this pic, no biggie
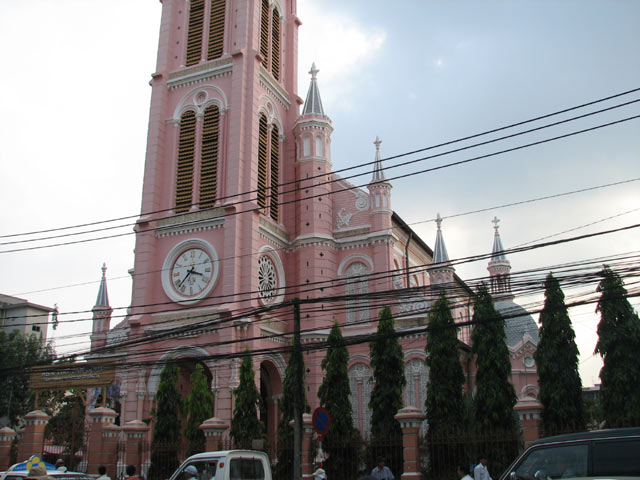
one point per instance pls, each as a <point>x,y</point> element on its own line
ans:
<point>209,162</point>
<point>194,37</point>
<point>262,162</point>
<point>275,150</point>
<point>184,176</point>
<point>216,29</point>
<point>264,33</point>
<point>275,45</point>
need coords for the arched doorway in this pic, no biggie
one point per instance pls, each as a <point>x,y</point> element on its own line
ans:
<point>270,392</point>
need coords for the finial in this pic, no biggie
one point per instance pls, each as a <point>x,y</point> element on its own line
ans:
<point>314,71</point>
<point>438,220</point>
<point>104,269</point>
<point>495,222</point>
<point>377,143</point>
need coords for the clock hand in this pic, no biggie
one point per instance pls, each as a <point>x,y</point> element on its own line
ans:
<point>189,272</point>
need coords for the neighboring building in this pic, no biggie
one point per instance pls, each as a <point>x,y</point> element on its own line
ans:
<point>26,317</point>
<point>241,212</point>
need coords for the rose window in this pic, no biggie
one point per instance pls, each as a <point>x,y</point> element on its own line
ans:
<point>267,279</point>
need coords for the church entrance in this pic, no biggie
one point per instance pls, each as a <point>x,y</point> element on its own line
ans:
<point>270,393</point>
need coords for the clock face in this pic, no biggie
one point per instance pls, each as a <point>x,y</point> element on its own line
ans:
<point>191,272</point>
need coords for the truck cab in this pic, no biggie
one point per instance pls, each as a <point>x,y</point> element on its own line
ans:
<point>226,465</point>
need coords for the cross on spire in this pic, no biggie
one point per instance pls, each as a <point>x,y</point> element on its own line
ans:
<point>314,71</point>
<point>495,222</point>
<point>438,220</point>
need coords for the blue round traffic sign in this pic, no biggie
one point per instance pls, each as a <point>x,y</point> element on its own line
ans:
<point>321,420</point>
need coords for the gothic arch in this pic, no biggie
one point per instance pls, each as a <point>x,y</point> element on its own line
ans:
<point>271,112</point>
<point>190,100</point>
<point>530,391</point>
<point>178,352</point>
<point>356,257</point>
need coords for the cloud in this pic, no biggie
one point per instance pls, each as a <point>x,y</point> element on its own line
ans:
<point>341,48</point>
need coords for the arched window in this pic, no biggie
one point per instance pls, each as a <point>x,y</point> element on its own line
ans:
<point>318,146</point>
<point>216,29</point>
<point>194,36</point>
<point>306,146</point>
<point>209,161</point>
<point>275,44</point>
<point>357,286</point>
<point>262,162</point>
<point>274,179</point>
<point>264,33</point>
<point>184,176</point>
<point>361,385</point>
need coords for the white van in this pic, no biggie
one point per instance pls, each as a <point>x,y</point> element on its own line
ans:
<point>227,465</point>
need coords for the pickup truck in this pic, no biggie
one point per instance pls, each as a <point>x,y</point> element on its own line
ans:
<point>225,465</point>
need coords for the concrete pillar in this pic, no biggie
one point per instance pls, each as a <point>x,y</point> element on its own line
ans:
<point>529,416</point>
<point>98,418</point>
<point>6,439</point>
<point>213,429</point>
<point>410,419</point>
<point>135,432</point>
<point>307,454</point>
<point>32,442</point>
<point>110,437</point>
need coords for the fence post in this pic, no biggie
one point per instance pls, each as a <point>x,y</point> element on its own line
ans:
<point>6,439</point>
<point>213,429</point>
<point>135,432</point>
<point>306,454</point>
<point>110,436</point>
<point>410,419</point>
<point>32,441</point>
<point>99,418</point>
<point>529,416</point>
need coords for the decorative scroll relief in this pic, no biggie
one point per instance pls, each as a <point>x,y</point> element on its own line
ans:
<point>343,218</point>
<point>414,305</point>
<point>362,201</point>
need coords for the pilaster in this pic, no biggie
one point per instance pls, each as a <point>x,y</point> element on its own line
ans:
<point>410,419</point>
<point>32,441</point>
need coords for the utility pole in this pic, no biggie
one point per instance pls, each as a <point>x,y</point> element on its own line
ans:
<point>297,398</point>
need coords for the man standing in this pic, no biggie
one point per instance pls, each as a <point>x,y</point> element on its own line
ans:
<point>480,472</point>
<point>382,472</point>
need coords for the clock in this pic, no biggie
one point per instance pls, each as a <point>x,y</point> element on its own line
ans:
<point>190,271</point>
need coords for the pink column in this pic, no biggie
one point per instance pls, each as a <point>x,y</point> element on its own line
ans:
<point>410,419</point>
<point>213,429</point>
<point>32,441</point>
<point>135,432</point>
<point>307,454</point>
<point>110,436</point>
<point>6,439</point>
<point>529,416</point>
<point>99,418</point>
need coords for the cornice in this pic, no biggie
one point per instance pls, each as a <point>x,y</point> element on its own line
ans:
<point>199,73</point>
<point>190,222</point>
<point>274,88</point>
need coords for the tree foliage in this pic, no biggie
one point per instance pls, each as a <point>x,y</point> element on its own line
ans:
<point>557,363</point>
<point>18,353</point>
<point>386,398</point>
<point>284,468</point>
<point>494,398</point>
<point>618,344</point>
<point>166,428</point>
<point>245,424</point>
<point>342,441</point>
<point>445,403</point>
<point>66,426</point>
<point>199,406</point>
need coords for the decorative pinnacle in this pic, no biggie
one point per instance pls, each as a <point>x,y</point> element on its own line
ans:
<point>377,143</point>
<point>314,71</point>
<point>495,222</point>
<point>438,220</point>
<point>104,270</point>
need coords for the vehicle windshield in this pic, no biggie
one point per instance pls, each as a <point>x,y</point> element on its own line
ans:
<point>568,461</point>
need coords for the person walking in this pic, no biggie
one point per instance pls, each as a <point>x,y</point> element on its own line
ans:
<point>382,472</point>
<point>461,471</point>
<point>60,466</point>
<point>480,471</point>
<point>102,470</point>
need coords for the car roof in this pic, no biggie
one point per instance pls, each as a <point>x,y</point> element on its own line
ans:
<point>608,433</point>
<point>224,453</point>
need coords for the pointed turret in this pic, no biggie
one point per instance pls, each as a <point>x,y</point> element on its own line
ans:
<point>499,267</point>
<point>380,194</point>
<point>378,171</point>
<point>441,271</point>
<point>101,314</point>
<point>313,103</point>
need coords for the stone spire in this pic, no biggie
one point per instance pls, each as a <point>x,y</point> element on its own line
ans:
<point>103,296</point>
<point>378,172</point>
<point>313,103</point>
<point>440,254</point>
<point>499,267</point>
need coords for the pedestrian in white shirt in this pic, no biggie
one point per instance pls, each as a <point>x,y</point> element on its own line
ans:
<point>382,472</point>
<point>480,472</point>
<point>462,473</point>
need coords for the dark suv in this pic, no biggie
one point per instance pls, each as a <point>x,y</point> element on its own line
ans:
<point>600,453</point>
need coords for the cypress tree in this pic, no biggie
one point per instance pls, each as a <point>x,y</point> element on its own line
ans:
<point>342,441</point>
<point>444,403</point>
<point>284,468</point>
<point>557,363</point>
<point>199,406</point>
<point>494,397</point>
<point>166,428</point>
<point>618,344</point>
<point>386,398</point>
<point>245,424</point>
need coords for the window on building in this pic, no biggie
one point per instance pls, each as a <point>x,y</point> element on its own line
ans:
<point>268,168</point>
<point>216,29</point>
<point>262,162</point>
<point>194,35</point>
<point>270,39</point>
<point>319,146</point>
<point>274,177</point>
<point>209,160</point>
<point>275,44</point>
<point>357,288</point>
<point>184,176</point>
<point>264,33</point>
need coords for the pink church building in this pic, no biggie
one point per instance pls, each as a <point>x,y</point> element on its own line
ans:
<point>241,213</point>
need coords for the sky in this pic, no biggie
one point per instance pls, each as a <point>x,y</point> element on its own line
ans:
<point>74,98</point>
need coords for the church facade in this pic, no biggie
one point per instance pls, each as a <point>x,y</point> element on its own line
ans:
<point>241,213</point>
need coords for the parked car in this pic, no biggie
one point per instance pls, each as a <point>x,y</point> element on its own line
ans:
<point>20,471</point>
<point>599,453</point>
<point>227,465</point>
